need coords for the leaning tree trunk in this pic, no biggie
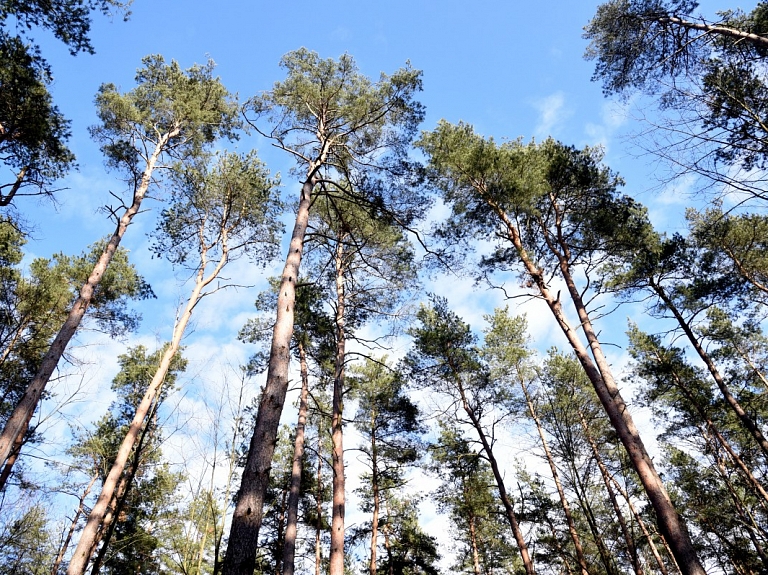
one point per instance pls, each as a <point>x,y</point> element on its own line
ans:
<point>291,528</point>
<point>601,377</point>
<point>732,402</point>
<point>337,433</point>
<point>240,558</point>
<point>556,477</point>
<point>82,554</point>
<point>73,526</point>
<point>18,422</point>
<point>508,508</point>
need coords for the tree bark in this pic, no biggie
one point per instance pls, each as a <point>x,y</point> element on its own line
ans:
<point>556,477</point>
<point>337,432</point>
<point>291,528</point>
<point>18,422</point>
<point>240,558</point>
<point>599,374</point>
<point>80,559</point>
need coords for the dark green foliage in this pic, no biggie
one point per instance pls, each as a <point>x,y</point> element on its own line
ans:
<point>710,71</point>
<point>466,495</point>
<point>26,544</point>
<point>33,133</point>
<point>411,550</point>
<point>32,130</point>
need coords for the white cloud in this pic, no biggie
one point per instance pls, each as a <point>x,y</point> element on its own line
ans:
<point>553,112</point>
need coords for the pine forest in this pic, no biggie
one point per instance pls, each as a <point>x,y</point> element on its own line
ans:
<point>500,307</point>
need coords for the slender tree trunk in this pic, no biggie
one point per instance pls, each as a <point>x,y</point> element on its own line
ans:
<point>600,375</point>
<point>118,501</point>
<point>73,526</point>
<point>8,467</point>
<point>376,498</point>
<point>18,422</point>
<point>289,549</point>
<point>508,508</point>
<point>732,402</point>
<point>337,432</point>
<point>473,544</point>
<point>246,520</point>
<point>80,559</point>
<point>5,200</point>
<point>643,528</point>
<point>281,532</point>
<point>556,476</point>
<point>628,539</point>
<point>319,504</point>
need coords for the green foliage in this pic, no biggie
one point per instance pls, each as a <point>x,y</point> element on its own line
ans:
<point>33,133</point>
<point>466,495</point>
<point>32,130</point>
<point>634,49</point>
<point>562,201</point>
<point>26,544</point>
<point>714,77</point>
<point>34,305</point>
<point>189,107</point>
<point>412,551</point>
<point>220,208</point>
<point>326,112</point>
<point>69,20</point>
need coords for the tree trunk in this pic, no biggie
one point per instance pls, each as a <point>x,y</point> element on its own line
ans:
<point>510,512</point>
<point>319,504</point>
<point>18,422</point>
<point>560,492</point>
<point>118,501</point>
<point>240,558</point>
<point>376,498</point>
<point>732,402</point>
<point>73,526</point>
<point>473,543</point>
<point>80,559</point>
<point>337,434</point>
<point>631,548</point>
<point>643,528</point>
<point>289,549</point>
<point>614,405</point>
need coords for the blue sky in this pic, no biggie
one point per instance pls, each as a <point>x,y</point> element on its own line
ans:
<point>512,69</point>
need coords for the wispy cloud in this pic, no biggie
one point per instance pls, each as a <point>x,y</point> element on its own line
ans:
<point>552,111</point>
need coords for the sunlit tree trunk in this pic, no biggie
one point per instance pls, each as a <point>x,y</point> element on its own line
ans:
<point>80,559</point>
<point>240,558</point>
<point>18,422</point>
<point>289,549</point>
<point>337,434</point>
